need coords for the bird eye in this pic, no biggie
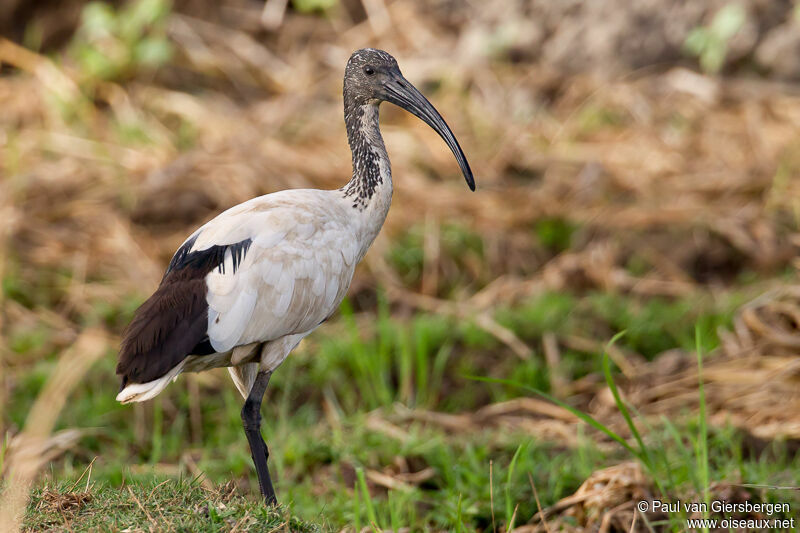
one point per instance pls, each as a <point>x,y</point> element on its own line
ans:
<point>369,71</point>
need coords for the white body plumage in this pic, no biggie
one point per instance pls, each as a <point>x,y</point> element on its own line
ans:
<point>245,288</point>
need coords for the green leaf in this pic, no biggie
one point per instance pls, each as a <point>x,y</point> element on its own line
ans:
<point>152,52</point>
<point>697,41</point>
<point>98,20</point>
<point>96,64</point>
<point>713,57</point>
<point>728,21</point>
<point>309,6</point>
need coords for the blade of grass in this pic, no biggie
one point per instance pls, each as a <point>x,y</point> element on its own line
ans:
<point>362,483</point>
<point>510,510</point>
<point>459,523</point>
<point>491,494</point>
<point>623,409</point>
<point>394,513</point>
<point>680,446</point>
<point>422,359</point>
<point>657,449</point>
<point>4,450</point>
<point>357,507</point>
<point>590,420</point>
<point>702,458</point>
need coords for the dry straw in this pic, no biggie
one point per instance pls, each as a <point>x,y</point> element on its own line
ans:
<point>36,445</point>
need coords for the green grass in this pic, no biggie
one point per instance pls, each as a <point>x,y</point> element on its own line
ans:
<point>323,448</point>
<point>153,503</point>
<point>462,254</point>
<point>672,469</point>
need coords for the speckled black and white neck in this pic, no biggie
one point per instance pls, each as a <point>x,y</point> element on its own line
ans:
<point>371,167</point>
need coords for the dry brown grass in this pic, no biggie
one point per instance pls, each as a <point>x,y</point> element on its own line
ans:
<point>643,159</point>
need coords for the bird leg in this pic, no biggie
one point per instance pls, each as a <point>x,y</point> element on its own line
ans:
<point>251,419</point>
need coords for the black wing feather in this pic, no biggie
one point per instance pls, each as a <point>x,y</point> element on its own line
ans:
<point>173,322</point>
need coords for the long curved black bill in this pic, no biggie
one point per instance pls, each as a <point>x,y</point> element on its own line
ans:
<point>401,93</point>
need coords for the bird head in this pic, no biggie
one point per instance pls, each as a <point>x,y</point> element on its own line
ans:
<point>373,76</point>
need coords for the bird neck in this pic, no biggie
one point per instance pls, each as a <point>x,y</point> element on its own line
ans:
<point>370,188</point>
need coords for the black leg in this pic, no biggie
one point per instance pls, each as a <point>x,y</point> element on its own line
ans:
<point>251,419</point>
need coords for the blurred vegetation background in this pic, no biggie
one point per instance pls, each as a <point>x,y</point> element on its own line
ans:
<point>637,169</point>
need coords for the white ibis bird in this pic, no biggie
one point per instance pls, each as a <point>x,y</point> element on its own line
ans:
<point>247,286</point>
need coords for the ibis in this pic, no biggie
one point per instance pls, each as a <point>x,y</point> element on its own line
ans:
<point>245,288</point>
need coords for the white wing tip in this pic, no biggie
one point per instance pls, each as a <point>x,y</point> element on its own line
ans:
<point>140,392</point>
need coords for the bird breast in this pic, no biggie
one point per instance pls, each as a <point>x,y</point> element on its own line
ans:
<point>296,268</point>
